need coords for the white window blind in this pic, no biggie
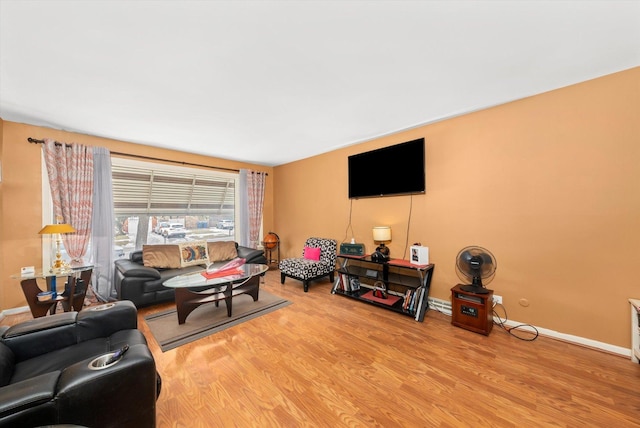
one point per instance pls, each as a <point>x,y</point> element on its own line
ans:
<point>140,189</point>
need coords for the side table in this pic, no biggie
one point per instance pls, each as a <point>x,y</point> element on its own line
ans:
<point>471,311</point>
<point>72,299</point>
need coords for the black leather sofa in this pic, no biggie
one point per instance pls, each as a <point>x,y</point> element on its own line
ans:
<point>143,285</point>
<point>47,376</point>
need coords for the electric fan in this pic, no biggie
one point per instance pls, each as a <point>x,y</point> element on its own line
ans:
<point>477,264</point>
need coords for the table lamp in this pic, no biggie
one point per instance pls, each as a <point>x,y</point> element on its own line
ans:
<point>57,230</point>
<point>382,234</point>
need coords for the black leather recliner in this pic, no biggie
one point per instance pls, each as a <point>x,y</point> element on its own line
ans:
<point>50,371</point>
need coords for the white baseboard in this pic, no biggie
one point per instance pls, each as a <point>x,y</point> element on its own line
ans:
<point>577,340</point>
<point>13,311</point>
<point>444,306</point>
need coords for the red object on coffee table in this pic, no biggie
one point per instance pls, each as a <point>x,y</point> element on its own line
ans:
<point>221,273</point>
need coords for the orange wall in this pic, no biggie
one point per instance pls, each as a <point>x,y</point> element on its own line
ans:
<point>20,194</point>
<point>550,184</point>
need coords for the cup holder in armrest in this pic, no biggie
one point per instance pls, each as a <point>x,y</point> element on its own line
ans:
<point>102,307</point>
<point>102,362</point>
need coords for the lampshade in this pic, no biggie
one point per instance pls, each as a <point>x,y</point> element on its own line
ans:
<point>382,233</point>
<point>52,229</point>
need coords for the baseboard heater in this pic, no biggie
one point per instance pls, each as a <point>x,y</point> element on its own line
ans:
<point>440,305</point>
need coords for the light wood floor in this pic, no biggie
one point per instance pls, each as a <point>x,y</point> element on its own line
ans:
<point>330,361</point>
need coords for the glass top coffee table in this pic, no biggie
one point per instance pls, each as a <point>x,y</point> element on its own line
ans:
<point>194,289</point>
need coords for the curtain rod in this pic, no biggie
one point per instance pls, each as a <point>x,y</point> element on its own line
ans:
<point>36,141</point>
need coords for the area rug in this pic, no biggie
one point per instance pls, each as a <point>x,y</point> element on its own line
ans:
<point>209,319</point>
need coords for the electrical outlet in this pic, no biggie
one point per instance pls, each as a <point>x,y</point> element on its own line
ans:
<point>497,300</point>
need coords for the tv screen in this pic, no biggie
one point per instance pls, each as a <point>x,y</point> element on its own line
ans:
<point>393,170</point>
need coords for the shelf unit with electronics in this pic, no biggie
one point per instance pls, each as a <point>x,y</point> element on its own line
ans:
<point>407,285</point>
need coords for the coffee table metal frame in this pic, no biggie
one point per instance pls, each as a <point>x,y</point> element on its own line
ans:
<point>194,290</point>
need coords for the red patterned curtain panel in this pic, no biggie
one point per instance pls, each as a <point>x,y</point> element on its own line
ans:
<point>70,170</point>
<point>255,188</point>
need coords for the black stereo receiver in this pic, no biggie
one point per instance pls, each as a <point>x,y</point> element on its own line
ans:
<point>352,249</point>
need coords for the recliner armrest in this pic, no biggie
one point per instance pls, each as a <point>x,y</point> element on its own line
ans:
<point>39,324</point>
<point>19,397</point>
<point>41,335</point>
<point>128,389</point>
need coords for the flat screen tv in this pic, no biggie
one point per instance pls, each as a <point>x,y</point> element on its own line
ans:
<point>393,170</point>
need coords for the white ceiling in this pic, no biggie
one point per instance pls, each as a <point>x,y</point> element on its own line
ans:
<point>270,82</point>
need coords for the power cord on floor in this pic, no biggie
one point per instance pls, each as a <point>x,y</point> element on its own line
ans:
<point>519,327</point>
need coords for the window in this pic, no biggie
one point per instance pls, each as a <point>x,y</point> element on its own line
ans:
<point>156,203</point>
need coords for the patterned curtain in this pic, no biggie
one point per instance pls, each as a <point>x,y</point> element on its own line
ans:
<point>70,170</point>
<point>255,192</point>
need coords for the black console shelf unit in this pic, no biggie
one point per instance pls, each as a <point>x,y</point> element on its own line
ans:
<point>407,284</point>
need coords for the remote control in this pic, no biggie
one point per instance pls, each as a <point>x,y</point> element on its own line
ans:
<point>117,355</point>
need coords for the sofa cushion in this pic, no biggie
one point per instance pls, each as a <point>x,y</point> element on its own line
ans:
<point>193,253</point>
<point>161,256</point>
<point>222,251</point>
<point>302,268</point>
